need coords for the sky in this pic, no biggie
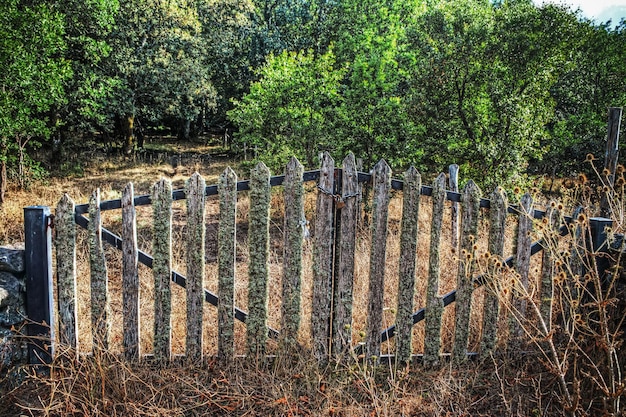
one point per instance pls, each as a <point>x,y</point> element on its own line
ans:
<point>597,9</point>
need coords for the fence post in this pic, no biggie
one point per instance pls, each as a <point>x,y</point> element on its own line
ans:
<point>38,266</point>
<point>610,159</point>
<point>599,244</point>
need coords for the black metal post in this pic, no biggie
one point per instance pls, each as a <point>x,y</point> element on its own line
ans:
<point>599,243</point>
<point>38,266</point>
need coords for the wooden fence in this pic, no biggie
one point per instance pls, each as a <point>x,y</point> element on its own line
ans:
<point>337,212</point>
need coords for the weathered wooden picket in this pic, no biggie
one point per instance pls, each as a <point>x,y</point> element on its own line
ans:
<point>335,233</point>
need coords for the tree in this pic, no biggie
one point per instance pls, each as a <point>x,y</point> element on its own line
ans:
<point>88,24</point>
<point>227,29</point>
<point>292,109</point>
<point>349,101</point>
<point>159,65</point>
<point>483,89</point>
<point>595,82</point>
<point>371,42</point>
<point>32,73</point>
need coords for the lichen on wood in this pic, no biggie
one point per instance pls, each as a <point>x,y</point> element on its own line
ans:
<point>292,259</point>
<point>548,268</point>
<point>65,243</point>
<point>522,266</point>
<point>162,269</point>
<point>226,240</point>
<point>381,183</point>
<point>408,255</point>
<point>342,299</point>
<point>470,201</point>
<point>434,303</point>
<point>130,276</point>
<point>100,314</point>
<point>323,261</point>
<point>194,190</point>
<point>491,304</point>
<point>259,251</point>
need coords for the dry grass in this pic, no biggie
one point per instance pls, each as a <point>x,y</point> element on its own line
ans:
<point>103,384</point>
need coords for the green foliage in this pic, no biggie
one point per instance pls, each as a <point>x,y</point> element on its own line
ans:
<point>481,84</point>
<point>488,85</point>
<point>308,102</point>
<point>596,82</point>
<point>483,89</point>
<point>158,61</point>
<point>31,70</point>
<point>292,110</point>
<point>32,76</point>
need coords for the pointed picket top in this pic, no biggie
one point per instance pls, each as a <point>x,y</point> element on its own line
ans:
<point>471,188</point>
<point>195,183</point>
<point>227,176</point>
<point>260,170</point>
<point>526,204</point>
<point>163,184</point>
<point>327,163</point>
<point>66,201</point>
<point>294,165</point>
<point>412,175</point>
<point>382,171</point>
<point>349,160</point>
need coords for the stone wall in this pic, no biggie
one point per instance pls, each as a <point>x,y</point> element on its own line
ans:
<point>12,308</point>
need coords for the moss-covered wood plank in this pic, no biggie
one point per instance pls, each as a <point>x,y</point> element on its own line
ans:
<point>491,304</point>
<point>434,303</point>
<point>227,190</point>
<point>130,276</point>
<point>470,201</point>
<point>408,254</point>
<point>100,314</point>
<point>550,229</point>
<point>381,183</point>
<point>342,299</point>
<point>293,233</point>
<point>522,264</point>
<point>258,269</point>
<point>162,269</point>
<point>194,190</point>
<point>65,243</point>
<point>323,261</point>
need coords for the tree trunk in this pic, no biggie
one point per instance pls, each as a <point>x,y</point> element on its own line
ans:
<point>128,129</point>
<point>139,134</point>
<point>185,128</point>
